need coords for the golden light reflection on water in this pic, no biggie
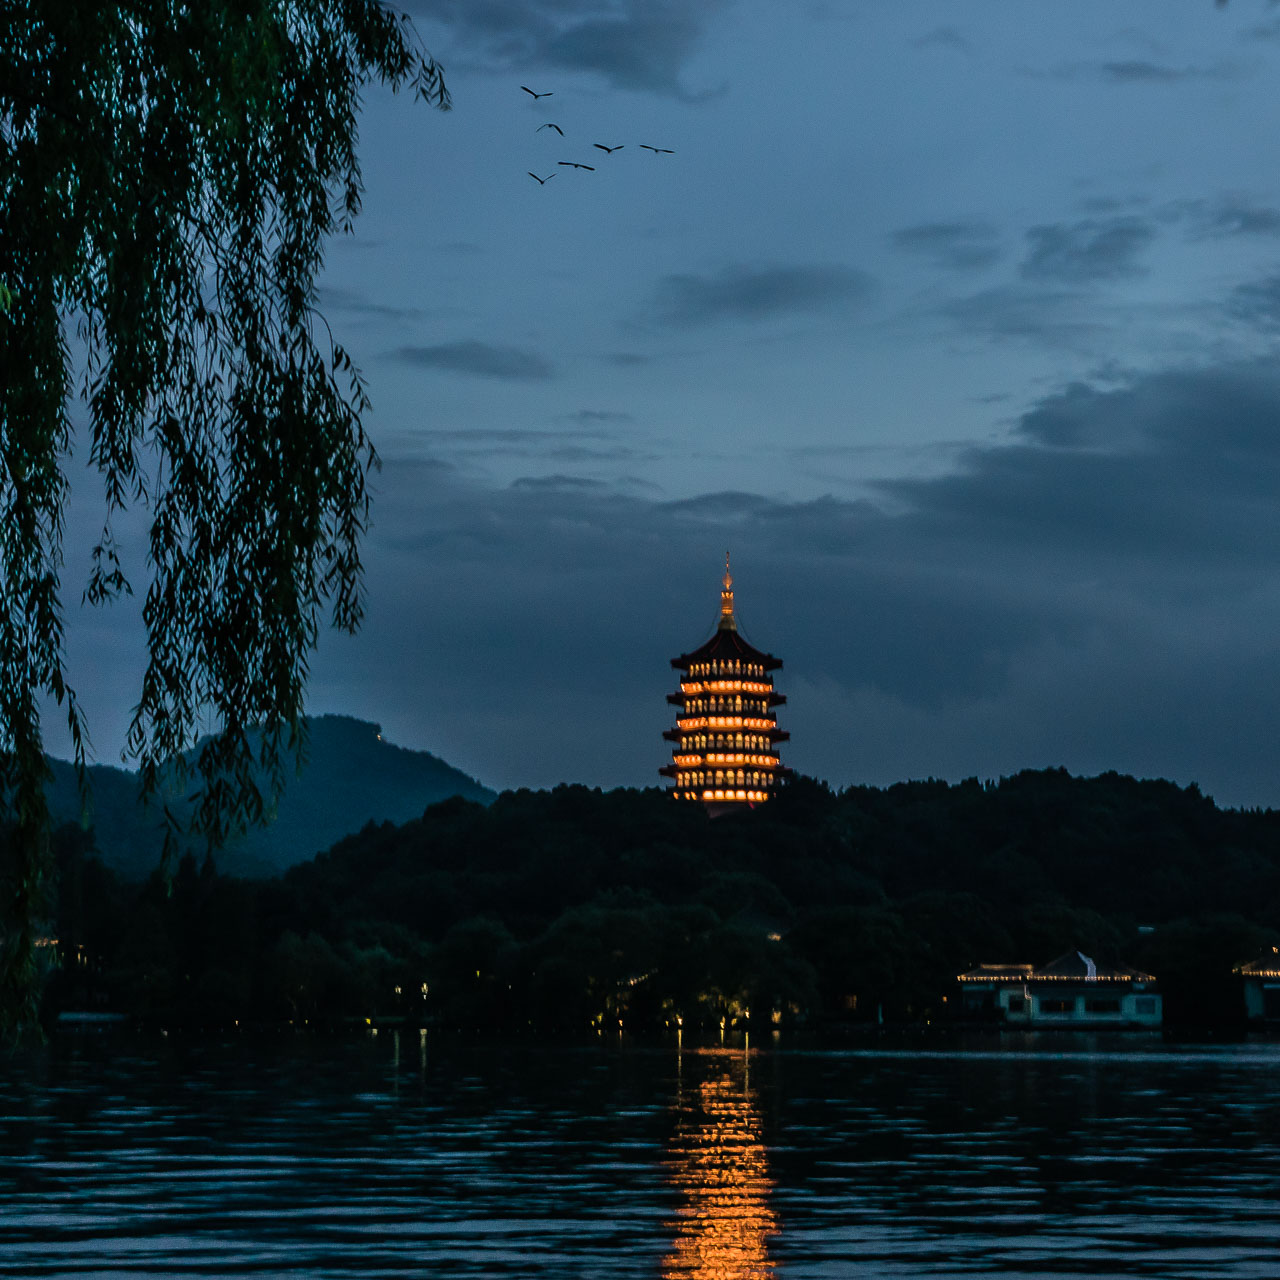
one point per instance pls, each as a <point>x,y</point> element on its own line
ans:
<point>718,1161</point>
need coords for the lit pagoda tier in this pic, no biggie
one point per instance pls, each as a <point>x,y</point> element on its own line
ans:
<point>726,734</point>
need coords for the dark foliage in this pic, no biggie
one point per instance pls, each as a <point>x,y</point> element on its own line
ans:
<point>571,908</point>
<point>169,176</point>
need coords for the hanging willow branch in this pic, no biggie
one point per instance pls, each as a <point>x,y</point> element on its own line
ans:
<point>169,174</point>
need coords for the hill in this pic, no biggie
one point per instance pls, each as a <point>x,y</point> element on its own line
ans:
<point>352,777</point>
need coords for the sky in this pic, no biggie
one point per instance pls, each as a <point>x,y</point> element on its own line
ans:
<point>957,324</point>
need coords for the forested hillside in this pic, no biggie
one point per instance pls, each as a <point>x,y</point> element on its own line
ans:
<point>557,909</point>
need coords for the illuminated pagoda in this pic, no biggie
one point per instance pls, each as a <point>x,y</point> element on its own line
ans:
<point>726,734</point>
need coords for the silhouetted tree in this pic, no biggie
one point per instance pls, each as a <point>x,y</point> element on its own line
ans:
<point>169,175</point>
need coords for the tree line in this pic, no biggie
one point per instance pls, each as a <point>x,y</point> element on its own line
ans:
<point>568,909</point>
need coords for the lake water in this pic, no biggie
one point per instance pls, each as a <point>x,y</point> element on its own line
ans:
<point>402,1155</point>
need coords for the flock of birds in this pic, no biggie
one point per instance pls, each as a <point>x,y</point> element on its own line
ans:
<point>599,146</point>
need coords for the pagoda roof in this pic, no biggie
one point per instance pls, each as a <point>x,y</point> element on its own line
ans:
<point>726,644</point>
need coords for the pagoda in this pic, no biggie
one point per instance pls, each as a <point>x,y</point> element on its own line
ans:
<point>726,734</point>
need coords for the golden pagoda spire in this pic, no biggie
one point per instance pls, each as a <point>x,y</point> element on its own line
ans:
<point>727,621</point>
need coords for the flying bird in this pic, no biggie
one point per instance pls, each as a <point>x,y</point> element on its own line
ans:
<point>609,150</point>
<point>549,125</point>
<point>526,88</point>
<point>573,164</point>
<point>542,182</point>
<point>658,151</point>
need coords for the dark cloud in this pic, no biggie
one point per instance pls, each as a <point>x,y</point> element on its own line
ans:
<point>1234,216</point>
<point>1138,71</point>
<point>941,38</point>
<point>558,483</point>
<point>1262,31</point>
<point>1257,303</point>
<point>1055,317</point>
<point>757,293</point>
<point>640,45</point>
<point>600,417</point>
<point>1100,591</point>
<point>961,245</point>
<point>587,444</point>
<point>480,359</point>
<point>353,302</point>
<point>1083,252</point>
<point>645,48</point>
<point>501,435</point>
<point>1141,71</point>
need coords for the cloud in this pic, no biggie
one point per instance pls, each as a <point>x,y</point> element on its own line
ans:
<point>1172,466</point>
<point>1142,71</point>
<point>354,302</point>
<point>959,245</point>
<point>1233,216</point>
<point>480,359</point>
<point>1138,71</point>
<point>941,38</point>
<point>1099,590</point>
<point>757,293</point>
<point>645,48</point>
<point>600,417</point>
<point>640,45</point>
<point>1266,31</point>
<point>588,443</point>
<point>1088,251</point>
<point>557,483</point>
<point>1257,303</point>
<point>1054,316</point>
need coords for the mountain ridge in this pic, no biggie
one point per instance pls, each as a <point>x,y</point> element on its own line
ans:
<point>351,776</point>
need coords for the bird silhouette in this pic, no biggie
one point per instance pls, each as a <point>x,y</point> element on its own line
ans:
<point>526,88</point>
<point>659,151</point>
<point>542,182</point>
<point>549,125</point>
<point>573,164</point>
<point>609,150</point>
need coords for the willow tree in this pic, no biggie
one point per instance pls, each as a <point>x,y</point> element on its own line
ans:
<point>170,173</point>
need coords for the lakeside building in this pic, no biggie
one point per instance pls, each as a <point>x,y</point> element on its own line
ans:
<point>1261,980</point>
<point>1069,991</point>
<point>726,733</point>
